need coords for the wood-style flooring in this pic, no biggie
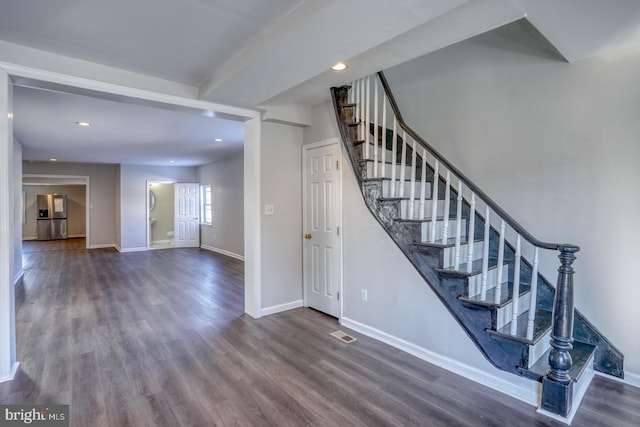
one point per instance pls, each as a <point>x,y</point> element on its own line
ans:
<point>159,338</point>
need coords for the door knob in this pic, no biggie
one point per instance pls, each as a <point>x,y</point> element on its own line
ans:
<point>307,236</point>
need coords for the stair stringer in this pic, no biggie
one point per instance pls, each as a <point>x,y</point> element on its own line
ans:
<point>475,321</point>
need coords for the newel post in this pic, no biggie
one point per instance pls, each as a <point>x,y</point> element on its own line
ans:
<point>557,385</point>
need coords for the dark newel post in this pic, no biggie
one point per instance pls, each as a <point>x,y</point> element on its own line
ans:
<point>557,386</point>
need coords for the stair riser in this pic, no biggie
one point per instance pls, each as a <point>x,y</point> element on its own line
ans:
<point>538,349</point>
<point>426,230</point>
<point>504,314</point>
<point>474,283</point>
<point>405,213</point>
<point>387,169</point>
<point>449,254</point>
<point>386,190</point>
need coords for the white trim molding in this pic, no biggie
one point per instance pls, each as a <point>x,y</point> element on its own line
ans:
<point>280,308</point>
<point>12,374</point>
<point>223,252</point>
<point>121,250</point>
<point>528,395</point>
<point>18,278</point>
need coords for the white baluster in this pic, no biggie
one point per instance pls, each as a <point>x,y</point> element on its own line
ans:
<point>367,118</point>
<point>403,163</point>
<point>394,162</point>
<point>447,202</point>
<point>362,110</point>
<point>375,128</point>
<point>412,188</point>
<point>471,235</point>
<point>434,202</point>
<point>533,295</point>
<point>383,147</point>
<point>498,294</point>
<point>423,184</point>
<point>456,262</point>
<point>356,100</point>
<point>516,289</point>
<point>485,255</point>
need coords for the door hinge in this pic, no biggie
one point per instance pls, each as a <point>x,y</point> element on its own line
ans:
<point>338,229</point>
<point>337,163</point>
<point>338,296</point>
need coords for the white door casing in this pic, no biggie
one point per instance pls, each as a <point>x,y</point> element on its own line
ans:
<point>187,211</point>
<point>321,227</point>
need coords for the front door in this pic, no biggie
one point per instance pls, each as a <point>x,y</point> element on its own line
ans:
<point>321,223</point>
<point>187,211</point>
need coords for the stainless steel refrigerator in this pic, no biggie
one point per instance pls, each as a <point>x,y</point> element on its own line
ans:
<point>52,217</point>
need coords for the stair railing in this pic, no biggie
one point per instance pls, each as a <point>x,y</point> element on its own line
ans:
<point>375,111</point>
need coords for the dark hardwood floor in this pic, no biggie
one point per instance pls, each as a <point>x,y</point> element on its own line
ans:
<point>160,338</point>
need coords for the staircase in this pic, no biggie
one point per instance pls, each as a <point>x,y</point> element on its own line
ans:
<point>478,260</point>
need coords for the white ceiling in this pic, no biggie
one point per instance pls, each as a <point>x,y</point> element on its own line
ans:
<point>248,53</point>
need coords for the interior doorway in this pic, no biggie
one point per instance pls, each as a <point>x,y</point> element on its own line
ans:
<point>322,214</point>
<point>160,214</point>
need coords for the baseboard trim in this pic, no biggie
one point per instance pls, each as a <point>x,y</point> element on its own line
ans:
<point>223,252</point>
<point>106,245</point>
<point>157,242</point>
<point>280,308</point>
<point>123,250</point>
<point>629,378</point>
<point>526,395</point>
<point>29,238</point>
<point>76,236</point>
<point>18,278</point>
<point>12,374</point>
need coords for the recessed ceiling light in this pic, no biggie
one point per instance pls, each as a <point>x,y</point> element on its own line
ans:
<point>53,160</point>
<point>10,115</point>
<point>172,161</point>
<point>340,66</point>
<point>218,140</point>
<point>85,124</point>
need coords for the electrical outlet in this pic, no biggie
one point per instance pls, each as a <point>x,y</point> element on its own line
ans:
<point>269,210</point>
<point>364,295</point>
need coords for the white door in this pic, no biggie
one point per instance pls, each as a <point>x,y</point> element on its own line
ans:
<point>321,223</point>
<point>187,211</point>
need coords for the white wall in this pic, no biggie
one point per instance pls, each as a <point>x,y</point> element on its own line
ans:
<point>133,199</point>
<point>102,195</point>
<point>18,206</point>
<point>226,178</point>
<point>556,145</point>
<point>281,236</point>
<point>76,208</point>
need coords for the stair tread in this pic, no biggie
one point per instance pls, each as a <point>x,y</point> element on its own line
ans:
<point>580,355</point>
<point>540,327</point>
<point>506,290</point>
<point>354,123</point>
<point>476,267</point>
<point>438,218</point>
<point>349,104</point>
<point>384,199</point>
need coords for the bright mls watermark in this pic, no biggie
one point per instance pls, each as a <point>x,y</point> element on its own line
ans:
<point>34,415</point>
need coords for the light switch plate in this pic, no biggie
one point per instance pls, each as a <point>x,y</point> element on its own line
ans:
<point>269,210</point>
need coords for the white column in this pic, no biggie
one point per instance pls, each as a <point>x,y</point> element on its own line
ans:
<point>8,364</point>
<point>533,296</point>
<point>516,289</point>
<point>412,189</point>
<point>434,202</point>
<point>458,225</point>
<point>471,235</point>
<point>423,184</point>
<point>403,164</point>
<point>485,255</point>
<point>375,127</point>
<point>498,293</point>
<point>383,147</point>
<point>394,151</point>
<point>367,117</point>
<point>252,223</point>
<point>447,202</point>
